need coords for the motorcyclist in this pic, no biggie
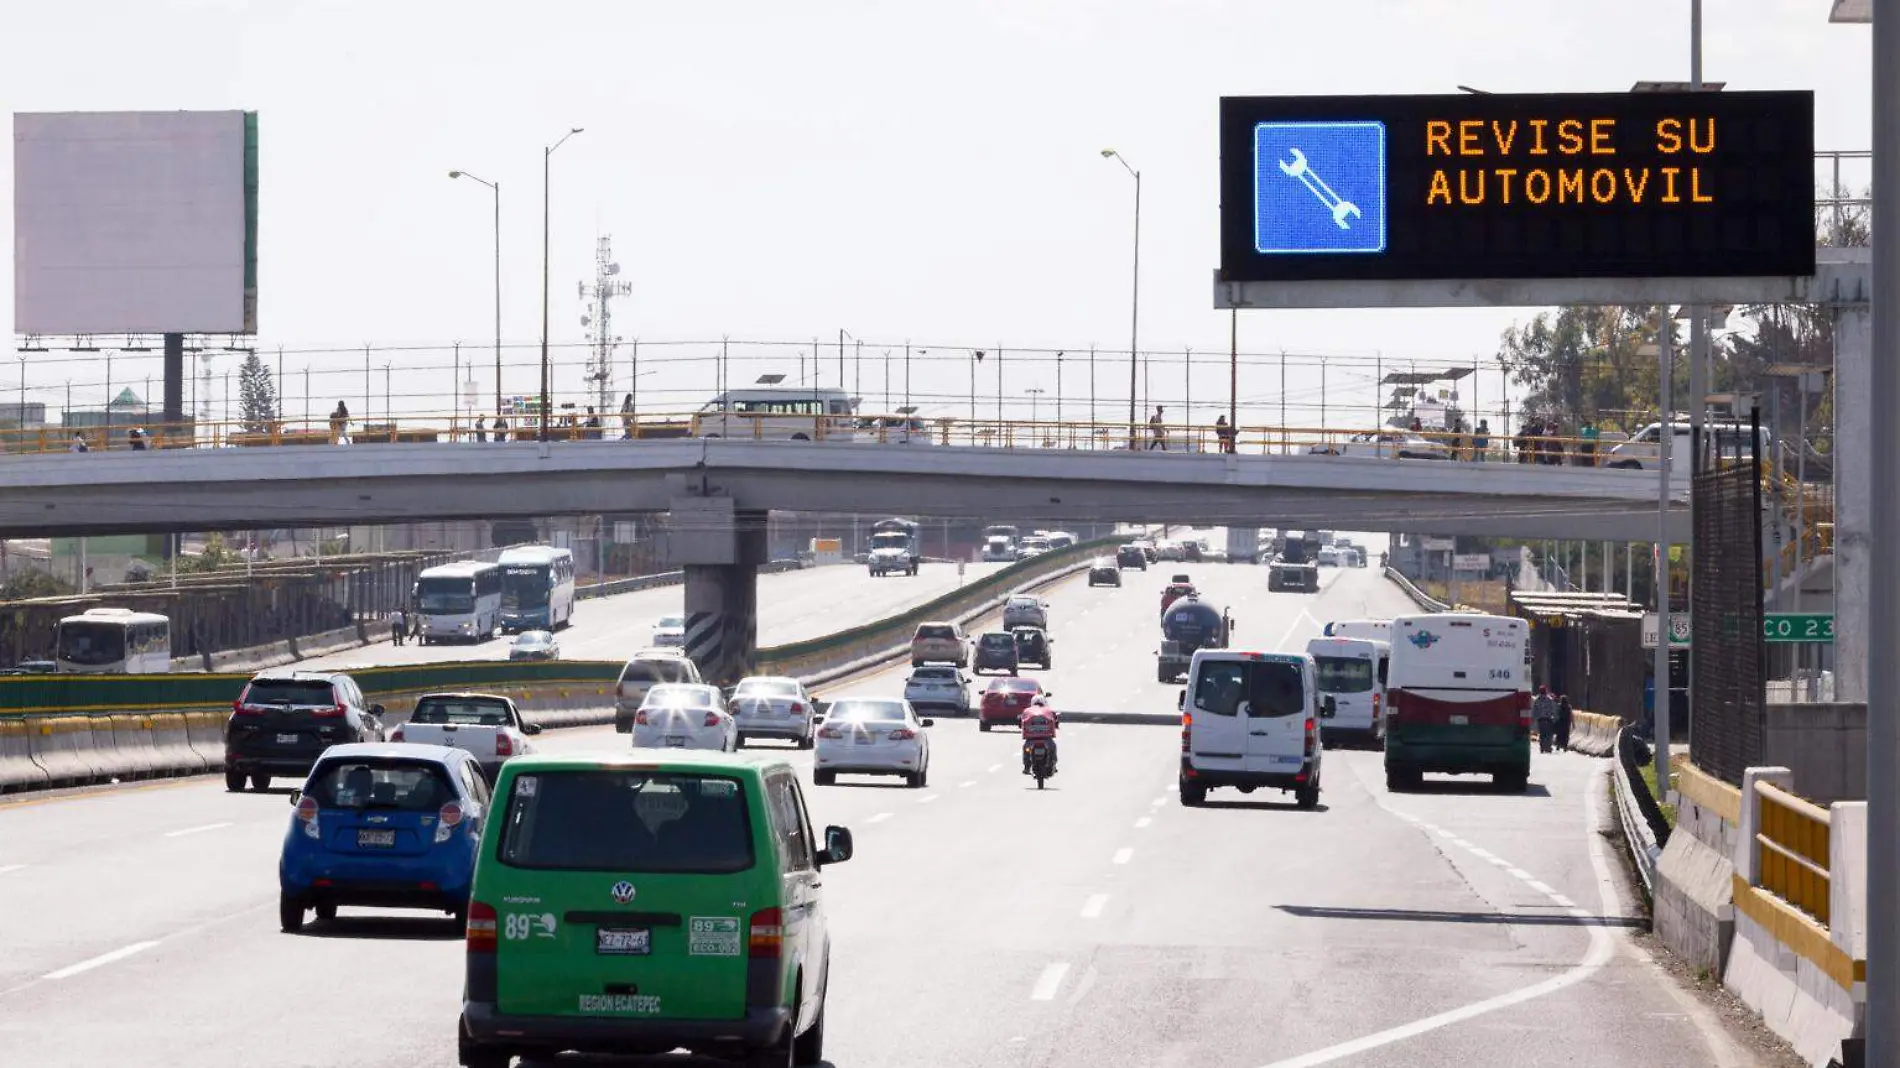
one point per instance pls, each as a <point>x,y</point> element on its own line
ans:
<point>1038,723</point>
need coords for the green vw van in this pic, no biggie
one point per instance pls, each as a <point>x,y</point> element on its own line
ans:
<point>642,902</point>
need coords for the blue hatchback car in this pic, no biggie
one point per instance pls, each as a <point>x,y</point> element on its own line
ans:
<point>383,825</point>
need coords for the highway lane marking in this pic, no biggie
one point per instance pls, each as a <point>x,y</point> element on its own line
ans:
<point>101,960</point>
<point>198,829</point>
<point>967,783</point>
<point>1481,854</point>
<point>994,768</point>
<point>879,818</point>
<point>1122,855</point>
<point>1049,982</point>
<point>1542,888</point>
<point>5,868</point>
<point>1520,873</point>
<point>1602,949</point>
<point>928,798</point>
<point>1143,822</point>
<point>1093,907</point>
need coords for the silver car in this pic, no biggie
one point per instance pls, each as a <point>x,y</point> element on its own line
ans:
<point>1025,611</point>
<point>938,687</point>
<point>767,706</point>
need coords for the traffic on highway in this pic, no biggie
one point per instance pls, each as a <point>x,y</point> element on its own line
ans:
<point>492,894</point>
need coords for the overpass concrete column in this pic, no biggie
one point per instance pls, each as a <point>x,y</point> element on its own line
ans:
<point>1853,497</point>
<point>720,549</point>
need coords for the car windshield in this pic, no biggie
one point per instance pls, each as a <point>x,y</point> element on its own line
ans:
<point>1015,686</point>
<point>524,586</point>
<point>1023,602</point>
<point>865,711</point>
<point>445,595</point>
<point>672,623</point>
<point>1343,674</point>
<point>533,638</point>
<point>679,696</point>
<point>767,688</point>
<point>91,644</point>
<point>474,711</point>
<point>627,821</point>
<point>289,692</point>
<point>403,785</point>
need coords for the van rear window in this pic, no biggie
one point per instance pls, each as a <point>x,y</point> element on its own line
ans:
<point>1343,674</point>
<point>627,821</point>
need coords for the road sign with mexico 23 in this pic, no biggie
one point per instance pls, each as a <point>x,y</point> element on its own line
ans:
<point>1319,187</point>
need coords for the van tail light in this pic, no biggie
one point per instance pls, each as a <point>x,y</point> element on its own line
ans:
<point>333,712</point>
<point>1187,725</point>
<point>902,734</point>
<point>504,745</point>
<point>481,927</point>
<point>767,935</point>
<point>640,716</point>
<point>1312,735</point>
<point>1377,706</point>
<point>396,735</point>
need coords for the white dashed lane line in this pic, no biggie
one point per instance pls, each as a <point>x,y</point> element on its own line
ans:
<point>966,784</point>
<point>182,832</point>
<point>101,960</point>
<point>5,868</point>
<point>1123,854</point>
<point>1142,823</point>
<point>1092,908</point>
<point>1049,982</point>
<point>879,818</point>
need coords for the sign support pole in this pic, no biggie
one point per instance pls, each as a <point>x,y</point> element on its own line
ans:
<point>1665,346</point>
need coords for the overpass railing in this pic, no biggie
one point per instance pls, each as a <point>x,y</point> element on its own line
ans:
<point>1076,435</point>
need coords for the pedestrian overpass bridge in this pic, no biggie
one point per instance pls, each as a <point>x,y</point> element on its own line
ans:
<point>156,491</point>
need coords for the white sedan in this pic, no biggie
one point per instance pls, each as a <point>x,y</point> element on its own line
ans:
<point>773,707</point>
<point>938,686</point>
<point>873,736</point>
<point>669,632</point>
<point>684,716</point>
<point>1402,444</point>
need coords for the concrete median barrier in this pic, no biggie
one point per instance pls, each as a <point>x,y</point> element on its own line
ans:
<point>1594,735</point>
<point>204,731</point>
<point>55,745</point>
<point>18,769</point>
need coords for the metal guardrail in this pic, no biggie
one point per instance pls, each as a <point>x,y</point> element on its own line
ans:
<point>1793,838</point>
<point>1645,844</point>
<point>1418,596</point>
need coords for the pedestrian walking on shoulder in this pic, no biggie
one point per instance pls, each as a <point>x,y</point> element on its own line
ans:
<point>1544,711</point>
<point>1564,715</point>
<point>398,626</point>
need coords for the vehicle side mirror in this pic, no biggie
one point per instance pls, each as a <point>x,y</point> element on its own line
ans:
<point>837,846</point>
<point>376,710</point>
<point>531,728</point>
<point>1329,709</point>
<point>929,722</point>
<point>296,796</point>
<point>1180,700</point>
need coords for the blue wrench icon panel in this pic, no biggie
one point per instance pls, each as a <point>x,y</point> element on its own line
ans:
<point>1319,187</point>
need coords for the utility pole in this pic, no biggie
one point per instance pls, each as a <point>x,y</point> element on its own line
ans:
<point>1665,346</point>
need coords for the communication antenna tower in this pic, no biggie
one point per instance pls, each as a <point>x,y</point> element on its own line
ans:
<point>599,319</point>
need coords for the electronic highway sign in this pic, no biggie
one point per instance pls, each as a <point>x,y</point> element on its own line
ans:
<point>1528,186</point>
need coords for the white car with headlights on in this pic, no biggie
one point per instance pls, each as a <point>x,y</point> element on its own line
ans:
<point>670,632</point>
<point>872,736</point>
<point>684,716</point>
<point>768,706</point>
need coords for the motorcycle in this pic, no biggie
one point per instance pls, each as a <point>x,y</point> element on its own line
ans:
<point>1041,760</point>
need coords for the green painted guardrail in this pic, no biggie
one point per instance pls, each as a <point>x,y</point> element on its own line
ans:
<point>37,695</point>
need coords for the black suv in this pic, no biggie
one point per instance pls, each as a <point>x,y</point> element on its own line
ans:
<point>1032,647</point>
<point>284,720</point>
<point>1131,556</point>
<point>995,651</point>
<point>1104,572</point>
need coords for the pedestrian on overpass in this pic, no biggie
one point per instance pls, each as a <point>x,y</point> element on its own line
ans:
<point>481,429</point>
<point>1481,440</point>
<point>1224,434</point>
<point>626,418</point>
<point>1157,431</point>
<point>339,423</point>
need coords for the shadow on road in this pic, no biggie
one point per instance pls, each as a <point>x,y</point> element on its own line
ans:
<point>1266,806</point>
<point>421,928</point>
<point>1467,787</point>
<point>1537,919</point>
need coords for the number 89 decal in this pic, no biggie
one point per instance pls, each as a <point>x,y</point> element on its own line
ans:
<point>522,925</point>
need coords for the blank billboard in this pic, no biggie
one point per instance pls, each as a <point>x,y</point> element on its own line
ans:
<point>135,222</point>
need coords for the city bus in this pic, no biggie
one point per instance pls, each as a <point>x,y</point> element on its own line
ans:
<point>458,602</point>
<point>537,588</point>
<point>113,641</point>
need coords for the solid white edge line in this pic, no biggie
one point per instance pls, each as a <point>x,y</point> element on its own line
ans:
<point>1602,948</point>
<point>197,830</point>
<point>1093,907</point>
<point>102,959</point>
<point>1049,982</point>
<point>1122,854</point>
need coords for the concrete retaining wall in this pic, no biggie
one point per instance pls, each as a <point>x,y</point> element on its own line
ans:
<point>1693,904</point>
<point>1825,745</point>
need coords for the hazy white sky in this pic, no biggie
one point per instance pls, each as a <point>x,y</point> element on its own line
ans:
<point>776,171</point>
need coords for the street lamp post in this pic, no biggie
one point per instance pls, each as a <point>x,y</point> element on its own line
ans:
<point>977,358</point>
<point>1134,300</point>
<point>1035,394</point>
<point>495,188</point>
<point>546,371</point>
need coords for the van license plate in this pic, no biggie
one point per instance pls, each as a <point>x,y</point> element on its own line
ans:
<point>676,741</point>
<point>286,739</point>
<point>1461,721</point>
<point>623,941</point>
<point>368,839</point>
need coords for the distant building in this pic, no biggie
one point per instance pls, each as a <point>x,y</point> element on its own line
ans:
<point>17,416</point>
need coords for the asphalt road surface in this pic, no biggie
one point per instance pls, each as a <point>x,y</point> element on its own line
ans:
<point>793,606</point>
<point>981,923</point>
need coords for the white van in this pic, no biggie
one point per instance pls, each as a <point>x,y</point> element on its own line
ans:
<point>1379,630</point>
<point>647,669</point>
<point>779,413</point>
<point>1251,719</point>
<point>1458,699</point>
<point>1352,671</point>
<point>1640,451</point>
